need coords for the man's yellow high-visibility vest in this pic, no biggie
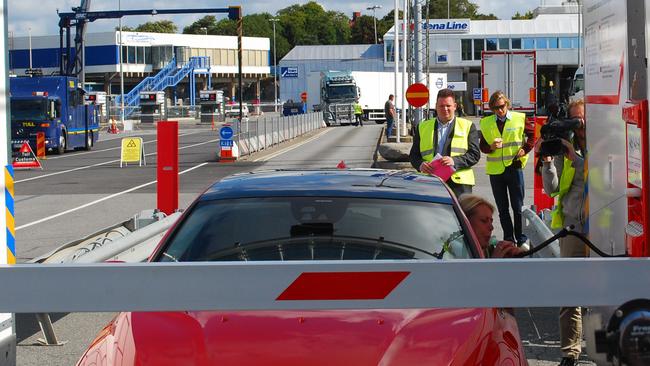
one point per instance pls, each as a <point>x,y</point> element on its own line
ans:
<point>459,145</point>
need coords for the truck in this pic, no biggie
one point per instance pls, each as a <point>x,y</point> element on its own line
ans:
<point>338,93</point>
<point>514,73</point>
<point>55,106</point>
<point>373,88</point>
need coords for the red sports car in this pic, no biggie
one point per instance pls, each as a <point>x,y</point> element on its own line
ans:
<point>316,215</point>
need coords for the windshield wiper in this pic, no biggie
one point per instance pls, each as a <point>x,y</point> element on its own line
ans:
<point>244,249</point>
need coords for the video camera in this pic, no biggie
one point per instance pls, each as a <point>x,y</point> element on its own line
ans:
<point>553,132</point>
<point>557,127</point>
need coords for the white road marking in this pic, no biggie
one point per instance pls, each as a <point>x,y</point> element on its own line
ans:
<point>285,150</point>
<point>114,148</point>
<point>105,163</point>
<point>99,200</point>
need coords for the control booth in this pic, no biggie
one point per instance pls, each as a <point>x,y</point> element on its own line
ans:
<point>211,102</point>
<point>152,106</point>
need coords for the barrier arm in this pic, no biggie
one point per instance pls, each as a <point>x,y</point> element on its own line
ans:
<point>324,285</point>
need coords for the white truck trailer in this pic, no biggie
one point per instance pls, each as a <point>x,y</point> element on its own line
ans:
<point>374,88</point>
<point>514,73</point>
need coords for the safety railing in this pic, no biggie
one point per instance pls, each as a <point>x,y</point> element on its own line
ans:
<point>264,132</point>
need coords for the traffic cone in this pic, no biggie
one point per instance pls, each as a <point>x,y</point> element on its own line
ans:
<point>341,165</point>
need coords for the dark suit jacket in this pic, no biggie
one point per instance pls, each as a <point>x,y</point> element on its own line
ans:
<point>467,160</point>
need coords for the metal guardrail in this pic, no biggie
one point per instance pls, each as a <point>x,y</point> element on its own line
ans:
<point>264,132</point>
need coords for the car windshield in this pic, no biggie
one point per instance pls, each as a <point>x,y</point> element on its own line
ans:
<point>309,228</point>
<point>34,109</point>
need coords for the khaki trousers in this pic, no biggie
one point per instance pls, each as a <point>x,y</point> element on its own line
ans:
<point>571,318</point>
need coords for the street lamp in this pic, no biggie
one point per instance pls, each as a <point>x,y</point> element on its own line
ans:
<point>275,65</point>
<point>374,18</point>
<point>29,31</point>
<point>205,30</point>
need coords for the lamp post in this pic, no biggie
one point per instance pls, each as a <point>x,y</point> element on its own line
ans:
<point>275,65</point>
<point>29,31</point>
<point>119,7</point>
<point>374,18</point>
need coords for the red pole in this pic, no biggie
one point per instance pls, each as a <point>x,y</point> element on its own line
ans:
<point>167,169</point>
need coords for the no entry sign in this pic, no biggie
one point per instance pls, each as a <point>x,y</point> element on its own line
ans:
<point>417,95</point>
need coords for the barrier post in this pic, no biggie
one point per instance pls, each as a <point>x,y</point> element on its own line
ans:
<point>541,199</point>
<point>167,170</point>
<point>40,145</point>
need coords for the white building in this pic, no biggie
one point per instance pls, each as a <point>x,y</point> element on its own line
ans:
<point>455,47</point>
<point>144,54</point>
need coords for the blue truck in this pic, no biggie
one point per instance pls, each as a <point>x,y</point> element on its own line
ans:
<point>55,106</point>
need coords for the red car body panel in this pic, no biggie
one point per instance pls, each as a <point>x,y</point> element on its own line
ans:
<point>333,337</point>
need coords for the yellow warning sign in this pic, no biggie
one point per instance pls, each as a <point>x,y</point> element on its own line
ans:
<point>132,151</point>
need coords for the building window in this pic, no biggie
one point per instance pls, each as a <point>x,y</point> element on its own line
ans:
<point>529,43</point>
<point>542,43</point>
<point>504,43</point>
<point>131,55</point>
<point>147,55</point>
<point>466,49</point>
<point>139,55</point>
<point>552,42</point>
<point>125,52</point>
<point>516,43</point>
<point>479,47</point>
<point>390,52</point>
<point>491,44</point>
<point>565,42</point>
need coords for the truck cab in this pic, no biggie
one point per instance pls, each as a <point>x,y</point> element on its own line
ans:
<point>55,106</point>
<point>338,93</point>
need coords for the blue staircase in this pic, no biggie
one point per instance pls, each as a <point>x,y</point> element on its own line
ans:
<point>168,76</point>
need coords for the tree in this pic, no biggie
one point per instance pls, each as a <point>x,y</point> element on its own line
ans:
<point>161,26</point>
<point>208,22</point>
<point>528,15</point>
<point>363,30</point>
<point>310,24</point>
<point>457,9</point>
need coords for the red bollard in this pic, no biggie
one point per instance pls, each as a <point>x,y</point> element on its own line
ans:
<point>167,171</point>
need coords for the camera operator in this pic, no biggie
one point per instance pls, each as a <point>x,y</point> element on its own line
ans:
<point>563,175</point>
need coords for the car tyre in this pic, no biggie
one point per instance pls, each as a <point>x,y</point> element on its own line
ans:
<point>63,143</point>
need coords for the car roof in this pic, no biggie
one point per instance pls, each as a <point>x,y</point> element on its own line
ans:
<point>360,183</point>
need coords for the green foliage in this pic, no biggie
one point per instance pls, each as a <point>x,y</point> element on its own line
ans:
<point>527,15</point>
<point>310,24</point>
<point>363,30</point>
<point>161,26</point>
<point>457,9</point>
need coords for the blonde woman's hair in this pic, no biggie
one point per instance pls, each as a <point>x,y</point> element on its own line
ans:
<point>469,203</point>
<point>494,98</point>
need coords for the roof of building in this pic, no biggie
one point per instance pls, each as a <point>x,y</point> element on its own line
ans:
<point>336,52</point>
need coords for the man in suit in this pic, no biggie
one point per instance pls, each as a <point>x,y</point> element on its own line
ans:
<point>454,139</point>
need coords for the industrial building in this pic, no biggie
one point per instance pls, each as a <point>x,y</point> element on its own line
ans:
<point>455,47</point>
<point>145,54</point>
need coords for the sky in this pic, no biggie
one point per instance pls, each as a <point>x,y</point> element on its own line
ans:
<point>41,15</point>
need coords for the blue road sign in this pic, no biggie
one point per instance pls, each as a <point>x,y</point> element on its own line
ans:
<point>476,93</point>
<point>226,143</point>
<point>226,133</point>
<point>288,72</point>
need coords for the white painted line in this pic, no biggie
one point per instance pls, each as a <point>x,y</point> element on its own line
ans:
<point>99,200</point>
<point>115,148</point>
<point>105,163</point>
<point>271,156</point>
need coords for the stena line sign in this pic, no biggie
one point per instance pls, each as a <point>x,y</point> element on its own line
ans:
<point>447,25</point>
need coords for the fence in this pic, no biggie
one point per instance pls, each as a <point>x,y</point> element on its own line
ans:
<point>263,132</point>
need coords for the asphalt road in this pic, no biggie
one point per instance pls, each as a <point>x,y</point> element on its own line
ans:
<point>79,193</point>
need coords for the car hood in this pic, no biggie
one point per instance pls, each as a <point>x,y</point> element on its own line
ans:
<point>363,337</point>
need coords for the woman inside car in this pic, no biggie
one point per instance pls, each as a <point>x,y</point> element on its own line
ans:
<point>479,213</point>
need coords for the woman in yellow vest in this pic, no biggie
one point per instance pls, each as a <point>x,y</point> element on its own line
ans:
<point>506,138</point>
<point>454,139</point>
